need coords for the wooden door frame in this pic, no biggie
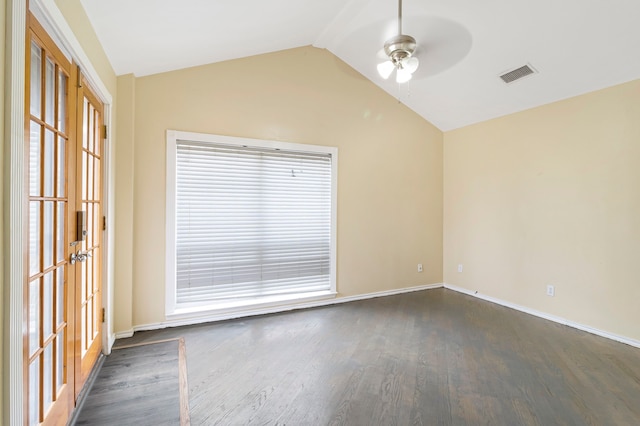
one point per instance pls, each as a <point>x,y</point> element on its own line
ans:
<point>14,194</point>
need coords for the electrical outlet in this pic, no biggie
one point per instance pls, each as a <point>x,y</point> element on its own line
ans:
<point>551,291</point>
<point>460,269</point>
<point>419,267</point>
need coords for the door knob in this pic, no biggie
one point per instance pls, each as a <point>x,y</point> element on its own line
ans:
<point>79,257</point>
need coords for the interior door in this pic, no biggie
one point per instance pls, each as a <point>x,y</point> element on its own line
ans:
<point>62,305</point>
<point>88,344</point>
<point>49,325</point>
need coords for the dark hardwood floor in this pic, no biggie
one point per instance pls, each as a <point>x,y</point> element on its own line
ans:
<point>433,357</point>
<point>137,385</point>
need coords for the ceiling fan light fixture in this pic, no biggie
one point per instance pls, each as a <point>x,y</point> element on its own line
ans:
<point>402,76</point>
<point>400,50</point>
<point>411,64</point>
<point>385,69</point>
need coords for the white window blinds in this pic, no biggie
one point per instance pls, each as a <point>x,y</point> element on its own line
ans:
<point>250,222</point>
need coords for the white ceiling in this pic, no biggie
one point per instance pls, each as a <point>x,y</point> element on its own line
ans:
<point>576,46</point>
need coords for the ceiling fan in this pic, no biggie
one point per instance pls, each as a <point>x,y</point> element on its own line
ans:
<point>400,50</point>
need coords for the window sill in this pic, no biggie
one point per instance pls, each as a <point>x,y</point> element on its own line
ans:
<point>242,308</point>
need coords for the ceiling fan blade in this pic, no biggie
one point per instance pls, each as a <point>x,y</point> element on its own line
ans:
<point>385,69</point>
<point>403,76</point>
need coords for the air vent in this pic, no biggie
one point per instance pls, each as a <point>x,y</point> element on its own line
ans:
<point>517,74</point>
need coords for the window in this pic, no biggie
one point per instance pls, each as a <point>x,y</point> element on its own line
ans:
<point>248,222</point>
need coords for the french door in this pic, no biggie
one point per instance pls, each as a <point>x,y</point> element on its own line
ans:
<point>88,306</point>
<point>62,321</point>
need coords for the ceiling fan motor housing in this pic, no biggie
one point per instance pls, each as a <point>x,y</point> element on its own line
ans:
<point>400,47</point>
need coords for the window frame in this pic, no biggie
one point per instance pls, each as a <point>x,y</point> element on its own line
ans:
<point>172,310</point>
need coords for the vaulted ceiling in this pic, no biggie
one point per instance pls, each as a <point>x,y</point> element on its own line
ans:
<point>576,46</point>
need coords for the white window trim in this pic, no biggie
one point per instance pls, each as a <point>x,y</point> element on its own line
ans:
<point>172,312</point>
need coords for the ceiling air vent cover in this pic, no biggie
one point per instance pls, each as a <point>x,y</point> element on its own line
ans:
<point>517,74</point>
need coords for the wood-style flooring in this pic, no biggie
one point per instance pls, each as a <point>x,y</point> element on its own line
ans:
<point>137,385</point>
<point>433,357</point>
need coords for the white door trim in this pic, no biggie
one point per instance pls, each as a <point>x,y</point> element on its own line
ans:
<point>14,201</point>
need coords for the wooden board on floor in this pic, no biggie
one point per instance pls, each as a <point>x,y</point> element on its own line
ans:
<point>140,384</point>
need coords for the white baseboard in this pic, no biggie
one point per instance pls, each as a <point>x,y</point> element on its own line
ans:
<point>212,317</point>
<point>559,320</point>
<point>124,334</point>
<point>346,299</point>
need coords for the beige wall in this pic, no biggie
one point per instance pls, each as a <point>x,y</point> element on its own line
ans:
<point>123,297</point>
<point>390,162</point>
<point>550,196</point>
